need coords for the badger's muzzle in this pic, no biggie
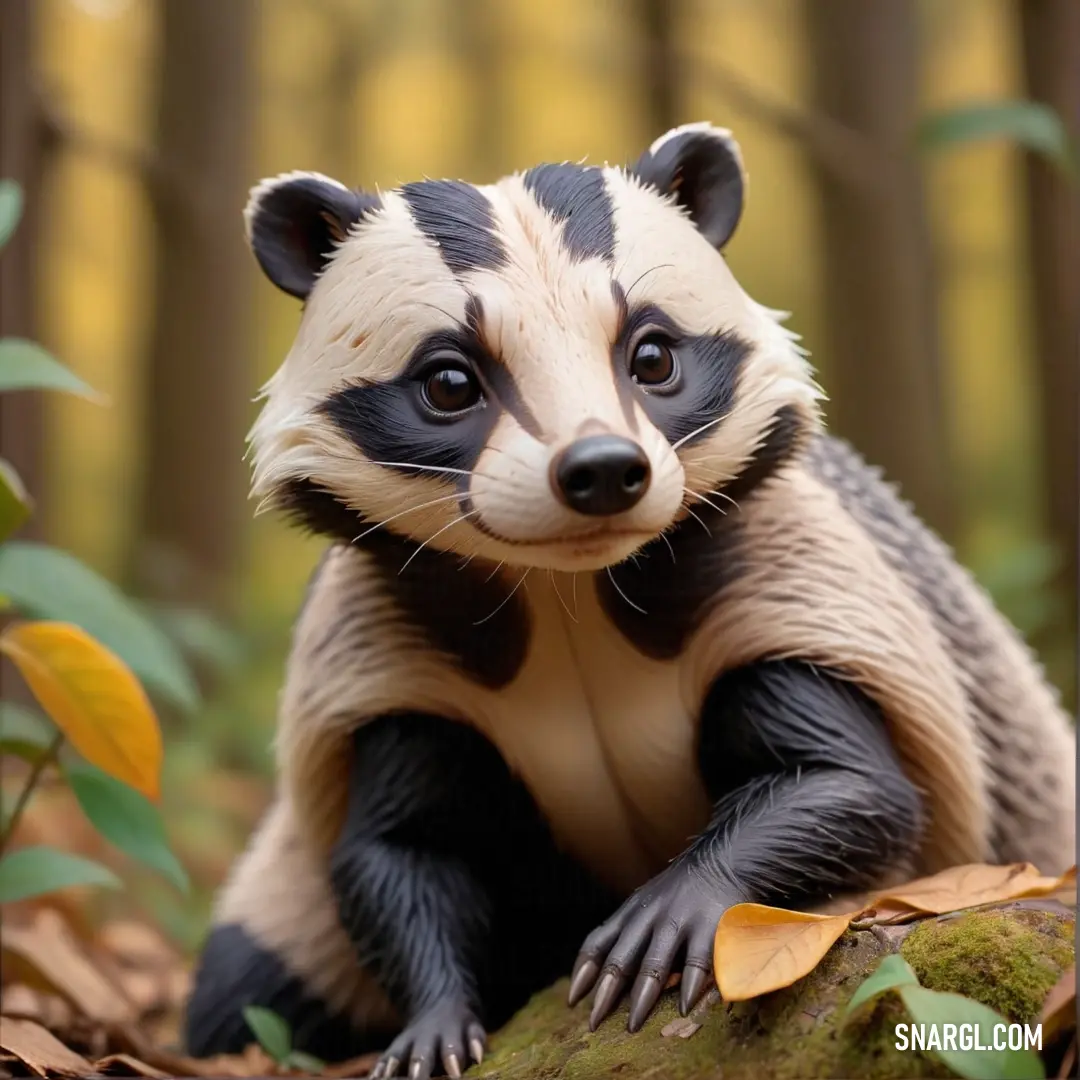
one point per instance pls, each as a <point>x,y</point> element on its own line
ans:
<point>601,475</point>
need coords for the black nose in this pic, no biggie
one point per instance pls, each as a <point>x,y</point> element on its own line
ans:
<point>602,474</point>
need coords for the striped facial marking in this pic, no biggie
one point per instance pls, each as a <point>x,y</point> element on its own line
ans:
<point>546,371</point>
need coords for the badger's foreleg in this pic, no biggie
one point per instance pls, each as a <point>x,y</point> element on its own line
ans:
<point>411,904</point>
<point>443,858</point>
<point>809,800</point>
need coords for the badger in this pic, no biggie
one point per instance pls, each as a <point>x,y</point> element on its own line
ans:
<point>609,636</point>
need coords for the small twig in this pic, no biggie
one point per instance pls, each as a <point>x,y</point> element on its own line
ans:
<point>842,149</point>
<point>46,759</point>
<point>60,132</point>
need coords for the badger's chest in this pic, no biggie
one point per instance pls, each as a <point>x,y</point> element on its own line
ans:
<point>603,736</point>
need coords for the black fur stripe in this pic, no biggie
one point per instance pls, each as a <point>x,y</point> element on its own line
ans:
<point>672,589</point>
<point>460,220</point>
<point>709,369</point>
<point>236,971</point>
<point>577,196</point>
<point>463,612</point>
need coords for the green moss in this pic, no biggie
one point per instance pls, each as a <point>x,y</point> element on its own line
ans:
<point>1010,957</point>
<point>790,1035</point>
<point>1007,960</point>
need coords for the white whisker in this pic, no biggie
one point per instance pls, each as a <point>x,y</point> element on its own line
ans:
<point>697,519</point>
<point>495,571</point>
<point>402,513</point>
<point>611,578</point>
<point>698,431</point>
<point>555,586</point>
<point>424,468</point>
<point>439,532</point>
<point>707,502</point>
<point>507,600</point>
<point>724,495</point>
<point>664,537</point>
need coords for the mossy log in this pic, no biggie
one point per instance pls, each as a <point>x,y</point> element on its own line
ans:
<point>1007,956</point>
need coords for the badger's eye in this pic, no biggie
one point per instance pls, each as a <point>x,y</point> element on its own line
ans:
<point>451,390</point>
<point>653,362</point>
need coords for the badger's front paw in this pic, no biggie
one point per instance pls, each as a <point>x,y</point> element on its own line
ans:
<point>672,916</point>
<point>448,1033</point>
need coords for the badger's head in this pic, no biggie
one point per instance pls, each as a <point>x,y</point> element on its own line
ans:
<point>549,371</point>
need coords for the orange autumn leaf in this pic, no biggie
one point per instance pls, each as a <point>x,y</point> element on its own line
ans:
<point>758,949</point>
<point>968,886</point>
<point>92,697</point>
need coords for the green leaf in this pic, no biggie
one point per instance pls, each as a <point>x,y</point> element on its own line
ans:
<point>272,1032</point>
<point>939,1008</point>
<point>298,1059</point>
<point>892,973</point>
<point>126,819</point>
<point>32,871</point>
<point>24,732</point>
<point>1030,123</point>
<point>25,365</point>
<point>11,201</point>
<point>201,636</point>
<point>15,503</point>
<point>45,583</point>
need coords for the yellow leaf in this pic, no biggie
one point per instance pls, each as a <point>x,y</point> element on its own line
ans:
<point>92,697</point>
<point>759,949</point>
<point>968,886</point>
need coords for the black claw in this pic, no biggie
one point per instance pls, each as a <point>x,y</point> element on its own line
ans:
<point>476,1048</point>
<point>607,993</point>
<point>693,983</point>
<point>582,979</point>
<point>642,999</point>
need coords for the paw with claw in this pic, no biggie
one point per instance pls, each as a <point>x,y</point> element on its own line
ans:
<point>448,1034</point>
<point>673,917</point>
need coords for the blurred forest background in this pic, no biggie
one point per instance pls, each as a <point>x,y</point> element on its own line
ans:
<point>934,275</point>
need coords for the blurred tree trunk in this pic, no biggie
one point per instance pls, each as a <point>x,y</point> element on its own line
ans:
<point>1050,33</point>
<point>22,416</point>
<point>480,49</point>
<point>656,22</point>
<point>188,536</point>
<point>879,291</point>
<point>334,104</point>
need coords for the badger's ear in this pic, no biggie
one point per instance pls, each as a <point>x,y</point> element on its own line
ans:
<point>295,221</point>
<point>701,166</point>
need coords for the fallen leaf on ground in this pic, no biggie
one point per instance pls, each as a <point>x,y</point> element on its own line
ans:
<point>40,1051</point>
<point>1058,1013</point>
<point>26,1003</point>
<point>967,886</point>
<point>126,1065</point>
<point>759,949</point>
<point>47,949</point>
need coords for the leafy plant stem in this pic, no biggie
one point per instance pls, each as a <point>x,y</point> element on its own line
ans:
<point>42,763</point>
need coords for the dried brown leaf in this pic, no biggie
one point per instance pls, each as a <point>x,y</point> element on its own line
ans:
<point>48,950</point>
<point>40,1051</point>
<point>126,1065</point>
<point>137,945</point>
<point>966,886</point>
<point>1058,1013</point>
<point>759,949</point>
<point>26,1003</point>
